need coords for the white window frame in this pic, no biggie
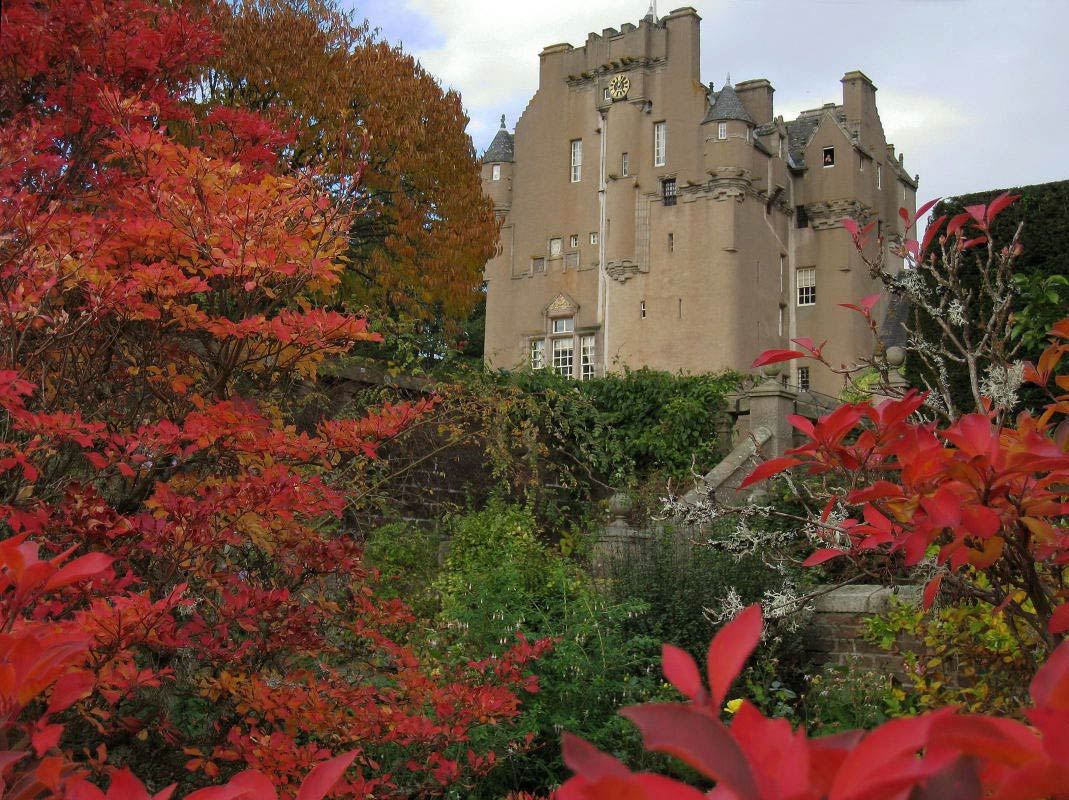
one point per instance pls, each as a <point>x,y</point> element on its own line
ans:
<point>879,176</point>
<point>564,356</point>
<point>577,160</point>
<point>642,309</point>
<point>803,379</point>
<point>806,285</point>
<point>660,144</point>
<point>593,237</point>
<point>495,172</point>
<point>587,367</point>
<point>556,246</point>
<point>625,165</point>
<point>563,325</point>
<point>722,130</point>
<point>824,157</point>
<point>536,354</point>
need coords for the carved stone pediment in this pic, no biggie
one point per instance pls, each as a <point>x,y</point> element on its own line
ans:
<point>561,306</point>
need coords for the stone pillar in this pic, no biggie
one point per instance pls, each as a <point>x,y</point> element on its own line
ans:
<point>618,540</point>
<point>770,404</point>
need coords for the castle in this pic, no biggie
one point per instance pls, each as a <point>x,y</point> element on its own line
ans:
<point>648,220</point>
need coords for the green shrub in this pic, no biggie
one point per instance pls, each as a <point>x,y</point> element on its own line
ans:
<point>964,654</point>
<point>499,578</point>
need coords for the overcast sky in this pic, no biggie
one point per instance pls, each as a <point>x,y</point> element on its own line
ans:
<point>974,93</point>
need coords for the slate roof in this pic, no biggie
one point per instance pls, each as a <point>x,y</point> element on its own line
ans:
<point>728,106</point>
<point>500,148</point>
<point>799,132</point>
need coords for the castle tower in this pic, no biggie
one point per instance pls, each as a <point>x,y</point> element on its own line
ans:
<point>648,221</point>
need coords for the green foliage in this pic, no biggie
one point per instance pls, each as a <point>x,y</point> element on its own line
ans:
<point>848,697</point>
<point>499,579</point>
<point>965,654</point>
<point>406,557</point>
<point>1042,269</point>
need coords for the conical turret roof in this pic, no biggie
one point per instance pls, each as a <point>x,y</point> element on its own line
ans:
<point>500,148</point>
<point>728,106</point>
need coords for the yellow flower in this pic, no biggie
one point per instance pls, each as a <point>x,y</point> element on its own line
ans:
<point>733,705</point>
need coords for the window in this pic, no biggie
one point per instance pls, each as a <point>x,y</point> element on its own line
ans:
<point>554,247</point>
<point>625,165</point>
<point>679,307</point>
<point>668,191</point>
<point>564,325</point>
<point>586,357</point>
<point>803,379</point>
<point>573,240</point>
<point>780,321</point>
<point>495,172</point>
<point>722,130</point>
<point>879,177</point>
<point>537,355</point>
<point>642,309</point>
<point>807,286</point>
<point>577,160</point>
<point>538,264</point>
<point>593,237</point>
<point>860,163</point>
<point>781,147</point>
<point>606,94</point>
<point>563,356</point>
<point>659,134</point>
<point>801,218</point>
<point>571,260</point>
<point>671,243</point>
<point>782,271</point>
<point>829,156</point>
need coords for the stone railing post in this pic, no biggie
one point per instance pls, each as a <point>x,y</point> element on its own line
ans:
<point>770,404</point>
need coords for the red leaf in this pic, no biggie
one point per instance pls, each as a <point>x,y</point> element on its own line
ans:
<point>1059,620</point>
<point>249,784</point>
<point>69,689</point>
<point>926,207</point>
<point>905,216</point>
<point>870,302</point>
<point>768,469</point>
<point>931,231</point>
<point>850,226</point>
<point>931,590</point>
<point>973,242</point>
<point>681,671</point>
<point>88,566</point>
<point>1050,686</point>
<point>584,759</point>
<point>45,738</point>
<point>977,212</point>
<point>999,204</point>
<point>324,777</point>
<point>981,520</point>
<point>700,740</point>
<point>775,356</point>
<point>956,223</point>
<point>729,650</point>
<point>822,555</point>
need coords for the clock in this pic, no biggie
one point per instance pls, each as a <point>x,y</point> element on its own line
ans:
<point>619,86</point>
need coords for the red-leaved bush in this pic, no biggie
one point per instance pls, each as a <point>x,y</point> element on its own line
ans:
<point>939,755</point>
<point>182,594</point>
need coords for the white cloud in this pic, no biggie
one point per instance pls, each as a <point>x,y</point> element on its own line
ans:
<point>490,47</point>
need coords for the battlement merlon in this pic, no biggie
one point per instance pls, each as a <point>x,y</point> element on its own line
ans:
<point>633,46</point>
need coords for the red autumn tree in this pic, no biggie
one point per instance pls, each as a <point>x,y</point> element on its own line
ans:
<point>162,298</point>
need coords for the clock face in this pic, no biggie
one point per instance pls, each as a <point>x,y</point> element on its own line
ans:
<point>619,86</point>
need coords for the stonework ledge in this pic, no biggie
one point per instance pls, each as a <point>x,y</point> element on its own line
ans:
<point>863,599</point>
